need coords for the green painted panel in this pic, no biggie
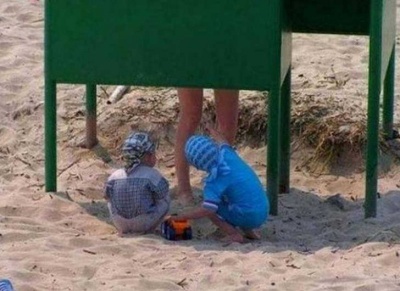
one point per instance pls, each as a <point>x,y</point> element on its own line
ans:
<point>224,43</point>
<point>388,33</point>
<point>331,16</point>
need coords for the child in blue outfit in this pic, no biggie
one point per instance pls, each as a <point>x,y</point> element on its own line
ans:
<point>234,198</point>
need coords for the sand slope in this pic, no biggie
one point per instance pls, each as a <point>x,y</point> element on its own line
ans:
<point>48,242</point>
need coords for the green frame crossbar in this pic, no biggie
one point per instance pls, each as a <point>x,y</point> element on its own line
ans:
<point>211,44</point>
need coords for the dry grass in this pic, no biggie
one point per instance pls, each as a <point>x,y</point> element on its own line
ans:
<point>329,125</point>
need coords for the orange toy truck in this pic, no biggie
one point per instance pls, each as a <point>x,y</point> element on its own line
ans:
<point>176,229</point>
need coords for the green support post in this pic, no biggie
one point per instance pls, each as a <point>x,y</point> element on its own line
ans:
<point>50,143</point>
<point>50,116</point>
<point>281,40</point>
<point>388,98</point>
<point>273,151</point>
<point>374,91</point>
<point>91,116</point>
<point>284,179</point>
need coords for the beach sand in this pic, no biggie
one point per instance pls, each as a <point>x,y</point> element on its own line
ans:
<point>64,241</point>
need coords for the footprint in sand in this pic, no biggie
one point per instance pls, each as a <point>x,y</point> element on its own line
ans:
<point>5,46</point>
<point>11,9</point>
<point>81,242</point>
<point>26,17</point>
<point>8,137</point>
<point>88,272</point>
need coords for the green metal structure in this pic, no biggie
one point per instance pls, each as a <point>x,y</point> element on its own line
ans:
<point>211,44</point>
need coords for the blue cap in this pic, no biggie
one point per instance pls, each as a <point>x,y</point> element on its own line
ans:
<point>202,152</point>
<point>5,285</point>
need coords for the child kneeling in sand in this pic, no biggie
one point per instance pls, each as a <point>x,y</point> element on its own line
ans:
<point>234,198</point>
<point>138,195</point>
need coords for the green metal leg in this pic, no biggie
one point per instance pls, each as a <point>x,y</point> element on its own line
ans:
<point>388,98</point>
<point>50,143</point>
<point>284,179</point>
<point>91,116</point>
<point>273,157</point>
<point>374,90</point>
<point>372,153</point>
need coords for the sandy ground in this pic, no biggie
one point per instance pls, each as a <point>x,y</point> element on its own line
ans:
<point>48,242</point>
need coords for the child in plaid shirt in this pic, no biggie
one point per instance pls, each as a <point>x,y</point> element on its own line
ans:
<point>138,195</point>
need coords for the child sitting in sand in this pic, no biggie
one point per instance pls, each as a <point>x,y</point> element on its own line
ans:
<point>234,198</point>
<point>138,195</point>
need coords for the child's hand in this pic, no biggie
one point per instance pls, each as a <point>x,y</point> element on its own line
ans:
<point>171,217</point>
<point>175,217</point>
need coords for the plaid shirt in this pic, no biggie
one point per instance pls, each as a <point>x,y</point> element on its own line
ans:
<point>137,193</point>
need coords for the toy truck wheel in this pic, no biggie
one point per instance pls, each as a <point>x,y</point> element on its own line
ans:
<point>171,234</point>
<point>164,228</point>
<point>187,234</point>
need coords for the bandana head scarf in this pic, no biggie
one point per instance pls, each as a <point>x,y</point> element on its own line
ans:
<point>135,147</point>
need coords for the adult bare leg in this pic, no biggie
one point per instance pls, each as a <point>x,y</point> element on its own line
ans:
<point>191,106</point>
<point>227,111</point>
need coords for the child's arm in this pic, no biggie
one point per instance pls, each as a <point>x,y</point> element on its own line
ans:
<point>107,190</point>
<point>108,187</point>
<point>196,213</point>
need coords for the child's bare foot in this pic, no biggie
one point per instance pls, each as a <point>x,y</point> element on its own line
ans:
<point>233,238</point>
<point>251,234</point>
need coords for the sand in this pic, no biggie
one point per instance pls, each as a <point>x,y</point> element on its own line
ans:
<point>64,241</point>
